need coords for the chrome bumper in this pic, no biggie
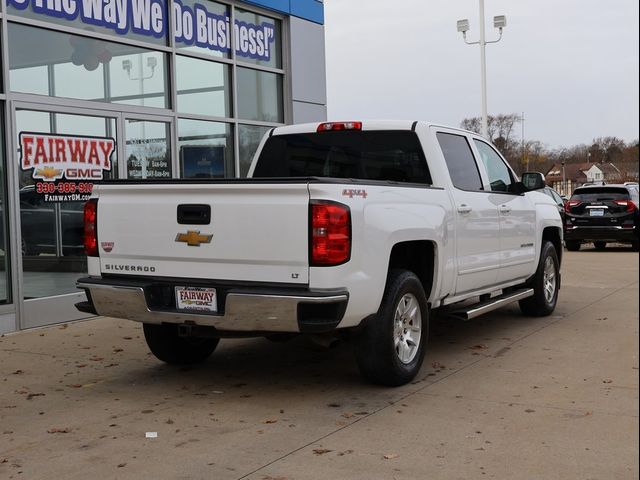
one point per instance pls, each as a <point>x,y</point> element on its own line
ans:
<point>243,312</point>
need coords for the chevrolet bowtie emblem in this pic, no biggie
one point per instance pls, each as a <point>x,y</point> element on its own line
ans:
<point>193,238</point>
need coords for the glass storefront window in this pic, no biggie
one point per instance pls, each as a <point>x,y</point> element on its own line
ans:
<point>203,87</point>
<point>148,150</point>
<point>147,23</point>
<point>249,137</point>
<point>259,96</point>
<point>212,37</point>
<point>205,149</point>
<point>258,39</point>
<point>45,62</point>
<point>4,258</point>
<point>51,220</point>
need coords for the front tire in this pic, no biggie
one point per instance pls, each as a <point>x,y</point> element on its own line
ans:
<point>545,284</point>
<point>165,343</point>
<point>391,348</point>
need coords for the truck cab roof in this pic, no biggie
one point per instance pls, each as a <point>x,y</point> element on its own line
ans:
<point>364,125</point>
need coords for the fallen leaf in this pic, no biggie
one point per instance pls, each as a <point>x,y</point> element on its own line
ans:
<point>31,395</point>
<point>346,452</point>
<point>437,366</point>
<point>18,372</point>
<point>118,350</point>
<point>127,338</point>
<point>390,456</point>
<point>169,421</point>
<point>59,430</point>
<point>321,451</point>
<point>607,381</point>
<point>120,465</point>
<point>271,420</point>
<point>75,385</point>
<point>96,359</point>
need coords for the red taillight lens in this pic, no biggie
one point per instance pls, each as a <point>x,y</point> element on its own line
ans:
<point>630,206</point>
<point>339,126</point>
<point>570,204</point>
<point>330,233</point>
<point>91,228</point>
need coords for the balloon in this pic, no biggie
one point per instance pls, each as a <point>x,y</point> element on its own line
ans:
<point>77,58</point>
<point>91,63</point>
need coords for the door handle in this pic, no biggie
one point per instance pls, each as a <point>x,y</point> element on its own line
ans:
<point>504,208</point>
<point>464,208</point>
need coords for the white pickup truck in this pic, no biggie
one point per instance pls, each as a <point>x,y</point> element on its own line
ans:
<point>355,228</point>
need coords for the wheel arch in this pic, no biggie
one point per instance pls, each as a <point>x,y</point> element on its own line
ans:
<point>419,257</point>
<point>553,235</point>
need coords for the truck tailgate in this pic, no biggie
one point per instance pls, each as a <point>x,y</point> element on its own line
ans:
<point>259,232</point>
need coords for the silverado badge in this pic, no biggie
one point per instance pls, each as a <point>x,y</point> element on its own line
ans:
<point>193,238</point>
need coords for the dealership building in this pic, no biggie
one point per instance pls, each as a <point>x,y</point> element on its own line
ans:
<point>132,89</point>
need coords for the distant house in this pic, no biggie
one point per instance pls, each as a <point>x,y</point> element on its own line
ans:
<point>577,174</point>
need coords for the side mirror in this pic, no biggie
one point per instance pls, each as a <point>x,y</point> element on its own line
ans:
<point>533,180</point>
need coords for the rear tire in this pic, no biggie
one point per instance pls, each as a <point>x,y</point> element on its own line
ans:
<point>165,343</point>
<point>572,245</point>
<point>545,284</point>
<point>391,348</point>
<point>600,245</point>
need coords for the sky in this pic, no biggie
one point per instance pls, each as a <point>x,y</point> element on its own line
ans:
<point>570,65</point>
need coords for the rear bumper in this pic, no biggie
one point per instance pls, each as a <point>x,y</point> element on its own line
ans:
<point>242,310</point>
<point>613,234</point>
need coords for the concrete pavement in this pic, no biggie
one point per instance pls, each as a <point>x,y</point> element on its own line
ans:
<point>502,396</point>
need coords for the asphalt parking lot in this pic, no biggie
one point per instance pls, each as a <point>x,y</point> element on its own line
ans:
<point>502,396</point>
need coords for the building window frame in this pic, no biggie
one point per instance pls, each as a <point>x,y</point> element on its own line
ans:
<point>172,51</point>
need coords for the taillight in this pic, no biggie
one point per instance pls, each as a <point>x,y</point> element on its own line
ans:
<point>330,233</point>
<point>339,126</point>
<point>630,206</point>
<point>570,204</point>
<point>91,228</point>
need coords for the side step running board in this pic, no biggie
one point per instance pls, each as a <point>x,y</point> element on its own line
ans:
<point>477,309</point>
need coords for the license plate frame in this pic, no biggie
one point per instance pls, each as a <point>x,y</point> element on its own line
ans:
<point>197,299</point>
<point>596,212</point>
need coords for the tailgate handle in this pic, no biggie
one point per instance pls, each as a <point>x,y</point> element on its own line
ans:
<point>194,214</point>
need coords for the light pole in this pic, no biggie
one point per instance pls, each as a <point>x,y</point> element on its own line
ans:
<point>525,156</point>
<point>499,22</point>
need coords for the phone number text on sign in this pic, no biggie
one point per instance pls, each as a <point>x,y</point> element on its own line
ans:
<point>64,187</point>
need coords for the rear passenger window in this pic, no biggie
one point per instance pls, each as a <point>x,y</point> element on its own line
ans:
<point>460,162</point>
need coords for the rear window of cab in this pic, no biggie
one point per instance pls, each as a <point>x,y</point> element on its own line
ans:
<point>394,156</point>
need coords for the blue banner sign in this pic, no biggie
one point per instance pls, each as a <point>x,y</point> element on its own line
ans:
<point>193,26</point>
